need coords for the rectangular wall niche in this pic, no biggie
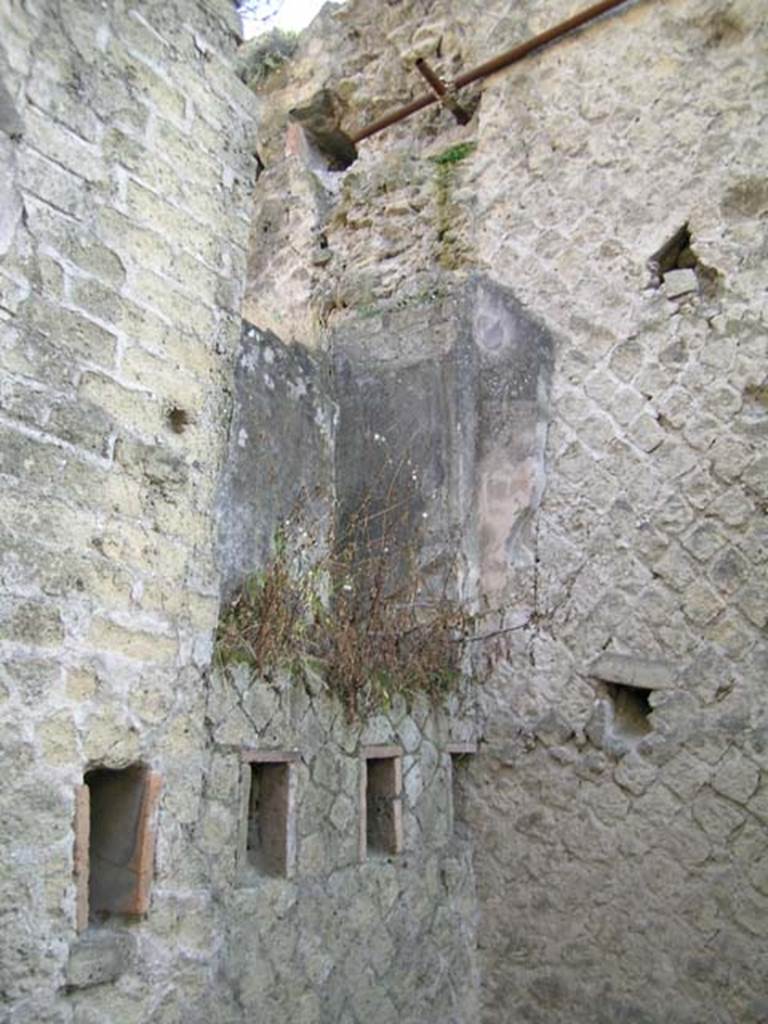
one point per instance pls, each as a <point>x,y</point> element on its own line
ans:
<point>115,814</point>
<point>381,816</point>
<point>268,839</point>
<point>459,759</point>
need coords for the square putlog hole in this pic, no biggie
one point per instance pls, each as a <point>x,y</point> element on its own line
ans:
<point>381,829</point>
<point>270,827</point>
<point>631,710</point>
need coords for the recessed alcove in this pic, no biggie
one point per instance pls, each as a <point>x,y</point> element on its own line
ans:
<point>460,757</point>
<point>631,710</point>
<point>114,842</point>
<point>268,832</point>
<point>381,824</point>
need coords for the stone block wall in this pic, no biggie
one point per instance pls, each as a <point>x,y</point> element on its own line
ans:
<point>598,465</point>
<point>615,184</point>
<point>150,449</point>
<point>127,170</point>
<point>320,921</point>
<point>634,859</point>
<point>387,936</point>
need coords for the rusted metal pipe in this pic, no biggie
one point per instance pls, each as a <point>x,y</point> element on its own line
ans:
<point>489,67</point>
<point>446,96</point>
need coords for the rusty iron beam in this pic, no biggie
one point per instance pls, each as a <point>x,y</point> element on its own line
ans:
<point>447,96</point>
<point>491,66</point>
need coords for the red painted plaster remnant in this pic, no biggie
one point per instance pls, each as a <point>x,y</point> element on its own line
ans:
<point>82,825</point>
<point>144,858</point>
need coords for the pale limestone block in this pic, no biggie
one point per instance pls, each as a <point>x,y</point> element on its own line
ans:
<point>736,777</point>
<point>679,282</point>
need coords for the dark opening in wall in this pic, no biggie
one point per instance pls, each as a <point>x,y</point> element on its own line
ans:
<point>178,419</point>
<point>460,759</point>
<point>381,808</point>
<point>320,120</point>
<point>269,842</point>
<point>675,254</point>
<point>116,811</point>
<point>678,254</point>
<point>631,709</point>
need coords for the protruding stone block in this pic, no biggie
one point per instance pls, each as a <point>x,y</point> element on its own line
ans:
<point>628,670</point>
<point>680,282</point>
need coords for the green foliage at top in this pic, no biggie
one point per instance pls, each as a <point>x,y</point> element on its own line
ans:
<point>455,154</point>
<point>262,56</point>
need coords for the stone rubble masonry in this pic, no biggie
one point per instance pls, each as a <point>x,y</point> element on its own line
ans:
<point>126,171</point>
<point>127,155</point>
<point>365,911</point>
<point>601,884</point>
<point>624,882</point>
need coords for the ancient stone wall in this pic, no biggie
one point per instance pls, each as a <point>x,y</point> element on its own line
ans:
<point>180,842</point>
<point>127,171</point>
<point>557,312</point>
<point>635,852</point>
<point>615,184</point>
<point>370,911</point>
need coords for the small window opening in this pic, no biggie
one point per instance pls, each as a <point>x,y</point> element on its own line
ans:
<point>116,810</point>
<point>675,254</point>
<point>381,810</point>
<point>631,710</point>
<point>460,760</point>
<point>269,841</point>
<point>267,818</point>
<point>678,254</point>
<point>320,119</point>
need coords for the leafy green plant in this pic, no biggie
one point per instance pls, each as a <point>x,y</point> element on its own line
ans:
<point>455,154</point>
<point>262,56</point>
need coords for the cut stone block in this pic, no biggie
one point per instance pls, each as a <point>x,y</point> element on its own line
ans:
<point>680,282</point>
<point>628,670</point>
<point>99,957</point>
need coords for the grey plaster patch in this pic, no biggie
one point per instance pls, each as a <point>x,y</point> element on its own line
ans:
<point>11,206</point>
<point>450,425</point>
<point>279,462</point>
<point>514,369</point>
